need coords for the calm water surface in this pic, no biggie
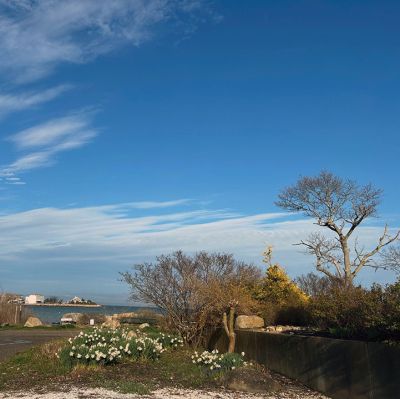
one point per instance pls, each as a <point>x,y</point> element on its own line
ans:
<point>53,314</point>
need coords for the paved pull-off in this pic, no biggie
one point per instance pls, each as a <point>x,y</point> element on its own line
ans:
<point>14,341</point>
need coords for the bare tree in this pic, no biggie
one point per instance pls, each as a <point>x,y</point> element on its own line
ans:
<point>193,291</point>
<point>391,258</point>
<point>340,206</point>
<point>313,284</point>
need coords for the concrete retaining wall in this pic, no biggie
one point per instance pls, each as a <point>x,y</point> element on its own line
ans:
<point>342,369</point>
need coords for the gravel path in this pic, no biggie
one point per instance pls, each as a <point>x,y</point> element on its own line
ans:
<point>299,393</point>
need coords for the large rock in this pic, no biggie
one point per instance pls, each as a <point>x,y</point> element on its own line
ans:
<point>131,334</point>
<point>251,380</point>
<point>78,318</point>
<point>246,322</point>
<point>33,322</point>
<point>111,322</point>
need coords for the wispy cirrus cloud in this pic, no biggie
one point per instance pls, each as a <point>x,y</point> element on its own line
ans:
<point>37,35</point>
<point>99,241</point>
<point>42,143</point>
<point>12,102</point>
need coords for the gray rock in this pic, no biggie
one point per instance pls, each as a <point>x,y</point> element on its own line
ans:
<point>250,380</point>
<point>77,318</point>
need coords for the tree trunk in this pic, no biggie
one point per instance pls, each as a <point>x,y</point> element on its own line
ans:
<point>348,276</point>
<point>232,334</point>
<point>230,328</point>
<point>232,343</point>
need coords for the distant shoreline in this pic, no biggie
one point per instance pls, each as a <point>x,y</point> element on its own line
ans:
<point>63,305</point>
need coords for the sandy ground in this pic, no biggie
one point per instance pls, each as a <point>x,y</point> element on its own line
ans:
<point>160,394</point>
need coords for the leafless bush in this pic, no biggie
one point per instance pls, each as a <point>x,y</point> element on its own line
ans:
<point>193,292</point>
<point>11,313</point>
<point>314,285</point>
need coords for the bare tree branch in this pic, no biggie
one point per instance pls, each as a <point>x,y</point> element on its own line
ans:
<point>390,258</point>
<point>325,251</point>
<point>193,291</point>
<point>340,206</point>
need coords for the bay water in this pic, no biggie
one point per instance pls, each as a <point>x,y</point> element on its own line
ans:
<point>53,314</point>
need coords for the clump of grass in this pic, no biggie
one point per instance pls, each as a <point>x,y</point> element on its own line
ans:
<point>32,367</point>
<point>125,387</point>
<point>216,363</point>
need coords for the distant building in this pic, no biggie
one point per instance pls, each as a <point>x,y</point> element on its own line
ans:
<point>34,299</point>
<point>19,300</point>
<point>81,301</point>
<point>76,299</point>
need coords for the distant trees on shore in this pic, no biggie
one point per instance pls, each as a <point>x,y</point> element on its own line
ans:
<point>53,299</point>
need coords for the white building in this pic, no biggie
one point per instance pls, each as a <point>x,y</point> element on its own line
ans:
<point>75,299</point>
<point>34,299</point>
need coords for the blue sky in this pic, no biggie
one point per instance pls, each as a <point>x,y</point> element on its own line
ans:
<point>134,128</point>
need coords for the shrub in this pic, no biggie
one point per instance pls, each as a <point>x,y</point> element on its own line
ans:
<point>276,287</point>
<point>281,300</point>
<point>11,313</point>
<point>193,291</point>
<point>391,308</point>
<point>357,312</point>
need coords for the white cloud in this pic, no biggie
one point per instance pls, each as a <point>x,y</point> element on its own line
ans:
<point>37,35</point>
<point>157,204</point>
<point>91,245</point>
<point>112,232</point>
<point>45,141</point>
<point>51,133</point>
<point>18,102</point>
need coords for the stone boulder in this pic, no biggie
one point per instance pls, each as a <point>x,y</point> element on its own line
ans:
<point>33,322</point>
<point>131,334</point>
<point>143,326</point>
<point>251,380</point>
<point>78,318</point>
<point>249,322</point>
<point>111,322</point>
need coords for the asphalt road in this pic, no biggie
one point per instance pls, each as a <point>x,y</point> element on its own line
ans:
<point>14,341</point>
